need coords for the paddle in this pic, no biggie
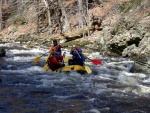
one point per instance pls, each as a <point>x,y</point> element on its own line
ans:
<point>45,67</point>
<point>39,57</point>
<point>66,60</point>
<point>95,61</point>
<point>87,68</point>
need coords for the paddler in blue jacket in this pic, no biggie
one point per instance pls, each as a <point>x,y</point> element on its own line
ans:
<point>78,58</point>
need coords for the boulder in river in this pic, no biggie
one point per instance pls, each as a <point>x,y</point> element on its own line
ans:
<point>2,52</point>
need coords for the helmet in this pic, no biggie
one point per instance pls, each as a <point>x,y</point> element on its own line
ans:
<point>54,41</point>
<point>79,50</point>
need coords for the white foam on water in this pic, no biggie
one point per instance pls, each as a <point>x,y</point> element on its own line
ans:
<point>139,75</point>
<point>15,51</point>
<point>143,89</point>
<point>104,77</point>
<point>59,79</point>
<point>117,68</point>
<point>99,91</point>
<point>23,59</point>
<point>34,69</point>
<point>146,80</point>
<point>128,90</point>
<point>46,83</point>
<point>127,80</point>
<point>135,75</point>
<point>127,73</point>
<point>94,111</point>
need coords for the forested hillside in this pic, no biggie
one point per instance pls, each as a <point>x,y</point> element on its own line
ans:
<point>113,27</point>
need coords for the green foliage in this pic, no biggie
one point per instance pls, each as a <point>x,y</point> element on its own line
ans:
<point>135,2</point>
<point>119,28</point>
<point>125,7</point>
<point>17,19</point>
<point>77,43</point>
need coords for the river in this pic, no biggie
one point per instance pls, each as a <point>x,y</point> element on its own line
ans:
<point>26,88</point>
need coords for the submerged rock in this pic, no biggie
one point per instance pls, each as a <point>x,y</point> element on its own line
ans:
<point>2,52</point>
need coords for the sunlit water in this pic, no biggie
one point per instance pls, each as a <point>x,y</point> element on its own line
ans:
<point>111,88</point>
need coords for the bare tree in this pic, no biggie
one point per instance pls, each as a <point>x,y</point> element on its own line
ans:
<point>80,14</point>
<point>49,15</point>
<point>21,7</point>
<point>58,16</point>
<point>64,14</point>
<point>88,16</point>
<point>5,1</point>
<point>37,16</point>
<point>1,16</point>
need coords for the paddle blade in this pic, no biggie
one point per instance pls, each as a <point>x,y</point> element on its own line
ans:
<point>96,62</point>
<point>66,60</point>
<point>88,70</point>
<point>36,59</point>
<point>45,67</point>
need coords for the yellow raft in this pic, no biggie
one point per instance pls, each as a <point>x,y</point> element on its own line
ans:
<point>66,68</point>
<point>78,68</point>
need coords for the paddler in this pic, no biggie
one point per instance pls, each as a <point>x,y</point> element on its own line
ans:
<point>55,61</point>
<point>57,47</point>
<point>77,58</point>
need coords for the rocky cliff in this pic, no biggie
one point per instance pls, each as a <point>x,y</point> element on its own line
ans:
<point>112,27</point>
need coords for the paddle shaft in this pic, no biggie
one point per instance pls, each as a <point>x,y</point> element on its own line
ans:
<point>77,53</point>
<point>88,70</point>
<point>44,54</point>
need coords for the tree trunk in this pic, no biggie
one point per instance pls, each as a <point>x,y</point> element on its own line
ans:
<point>88,16</point>
<point>1,24</point>
<point>37,16</point>
<point>6,2</point>
<point>58,17</point>
<point>49,16</point>
<point>65,15</point>
<point>20,7</point>
<point>80,14</point>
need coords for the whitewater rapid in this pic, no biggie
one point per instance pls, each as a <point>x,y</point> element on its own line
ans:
<point>110,84</point>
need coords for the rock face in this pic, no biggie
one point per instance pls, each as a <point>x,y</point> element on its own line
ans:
<point>114,28</point>
<point>130,33</point>
<point>131,43</point>
<point>2,52</point>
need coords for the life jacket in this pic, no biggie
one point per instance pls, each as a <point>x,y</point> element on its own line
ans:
<point>78,56</point>
<point>57,48</point>
<point>53,62</point>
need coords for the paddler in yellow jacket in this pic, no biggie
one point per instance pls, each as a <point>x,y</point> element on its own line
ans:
<point>56,47</point>
<point>55,59</point>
